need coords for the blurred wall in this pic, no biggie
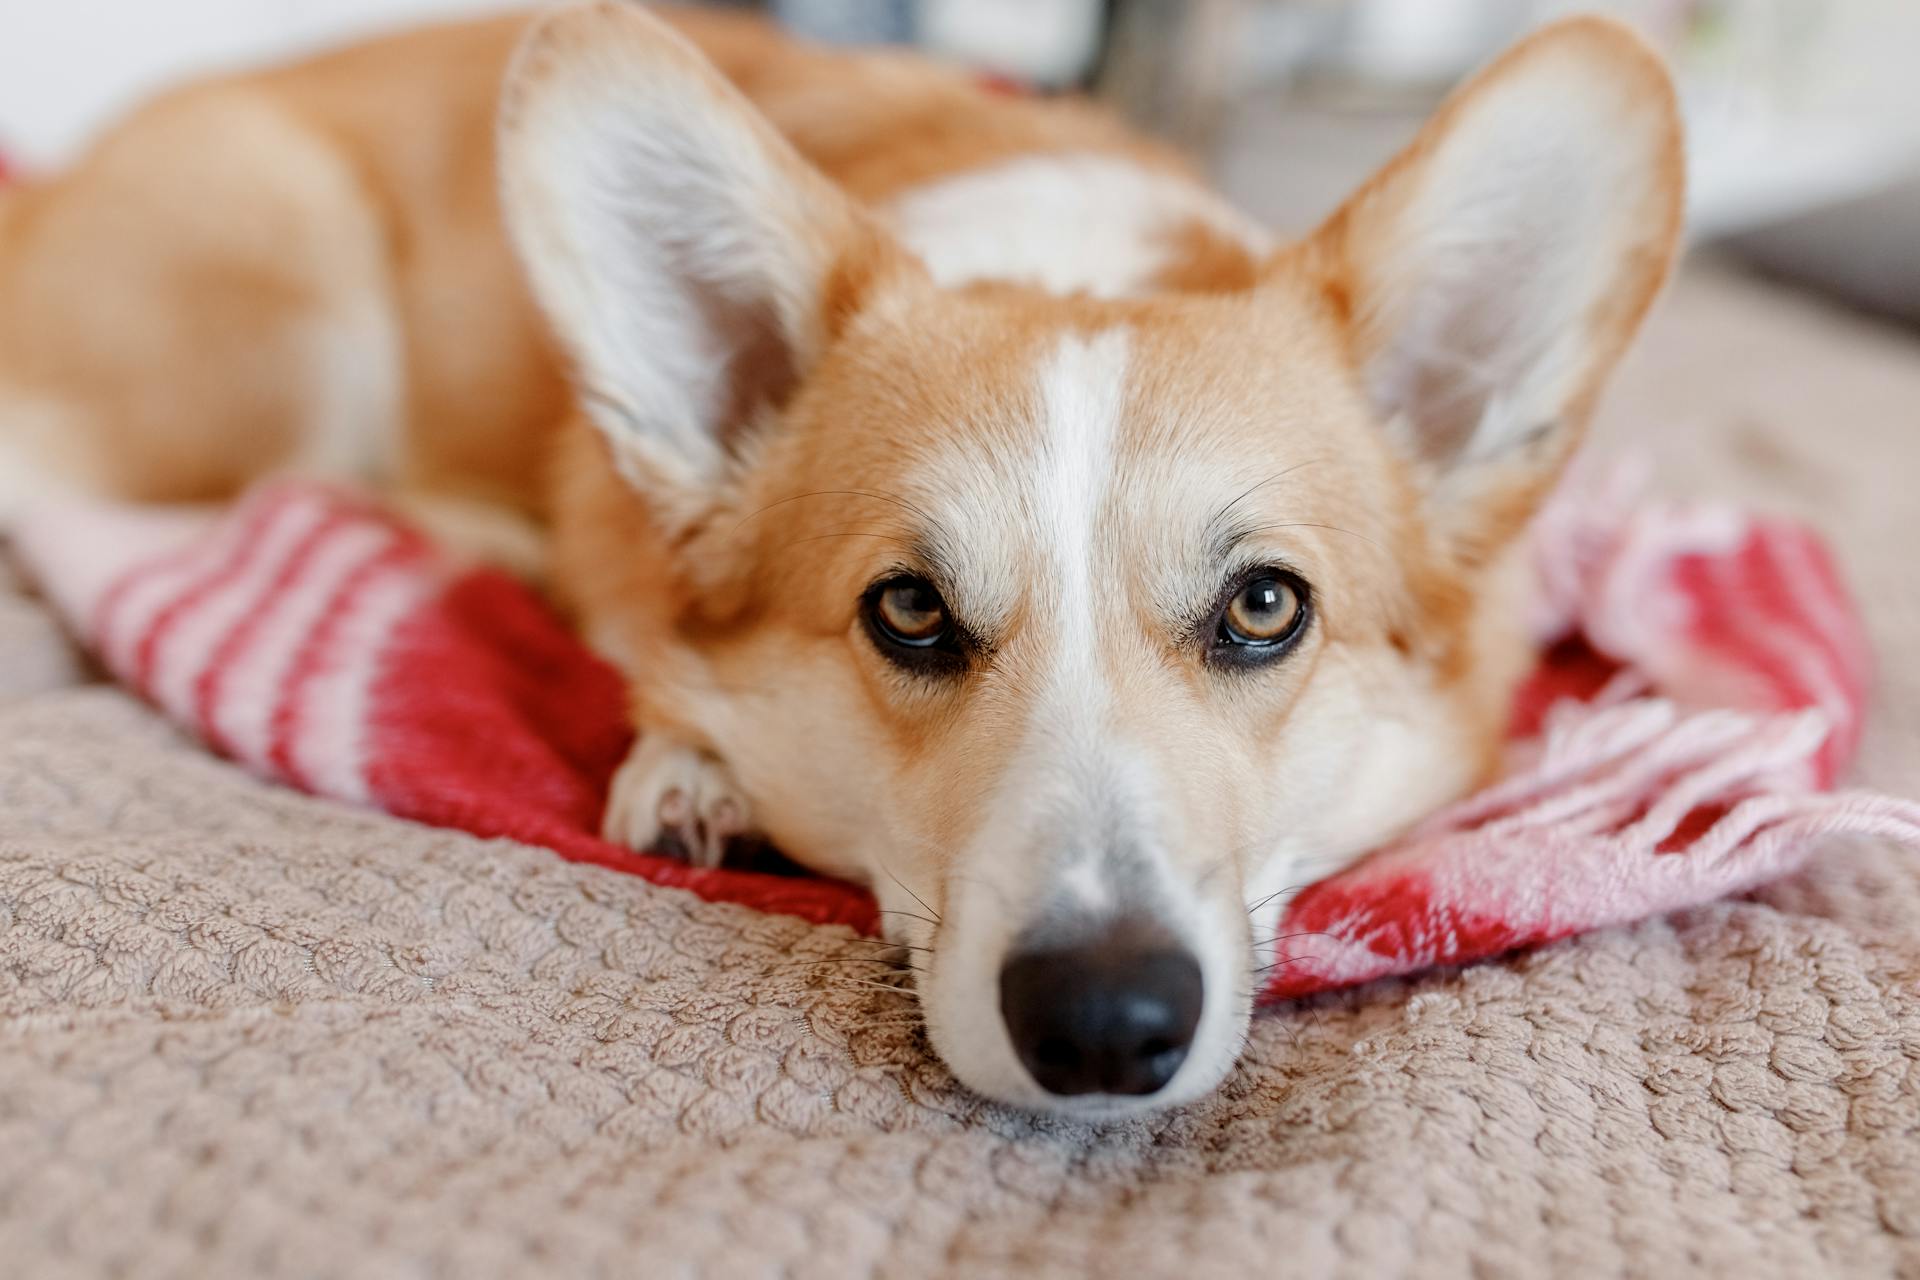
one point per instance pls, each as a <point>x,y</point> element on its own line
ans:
<point>69,66</point>
<point>1791,105</point>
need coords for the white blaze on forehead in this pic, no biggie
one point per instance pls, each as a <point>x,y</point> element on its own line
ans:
<point>1082,395</point>
<point>1075,223</point>
<point>1016,512</point>
<point>1067,760</point>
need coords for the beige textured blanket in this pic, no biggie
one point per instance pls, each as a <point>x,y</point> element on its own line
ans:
<point>246,1033</point>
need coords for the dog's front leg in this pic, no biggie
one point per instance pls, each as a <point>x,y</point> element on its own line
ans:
<point>671,796</point>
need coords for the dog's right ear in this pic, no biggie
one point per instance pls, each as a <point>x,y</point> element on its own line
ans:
<point>691,263</point>
<point>1490,276</point>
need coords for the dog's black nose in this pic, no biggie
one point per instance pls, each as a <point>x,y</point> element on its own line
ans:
<point>1113,1015</point>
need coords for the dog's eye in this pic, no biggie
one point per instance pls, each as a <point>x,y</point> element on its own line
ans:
<point>1262,618</point>
<point>910,624</point>
<point>912,612</point>
<point>1262,612</point>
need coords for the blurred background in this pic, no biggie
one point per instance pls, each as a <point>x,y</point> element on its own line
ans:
<point>1805,114</point>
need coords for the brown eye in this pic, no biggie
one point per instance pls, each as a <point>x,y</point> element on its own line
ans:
<point>911,612</point>
<point>1262,617</point>
<point>912,628</point>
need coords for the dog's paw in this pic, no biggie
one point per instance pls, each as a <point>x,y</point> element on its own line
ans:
<point>673,798</point>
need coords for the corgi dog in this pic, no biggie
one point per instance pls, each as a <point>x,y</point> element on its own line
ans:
<point>980,508</point>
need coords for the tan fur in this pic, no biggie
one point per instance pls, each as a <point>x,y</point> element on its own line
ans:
<point>367,180</point>
<point>173,310</point>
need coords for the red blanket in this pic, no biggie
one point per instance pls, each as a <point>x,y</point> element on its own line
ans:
<point>1701,685</point>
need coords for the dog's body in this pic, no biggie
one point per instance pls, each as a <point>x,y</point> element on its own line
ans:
<point>337,220</point>
<point>980,507</point>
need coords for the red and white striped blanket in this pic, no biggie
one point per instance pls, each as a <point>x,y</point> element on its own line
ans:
<point>1701,686</point>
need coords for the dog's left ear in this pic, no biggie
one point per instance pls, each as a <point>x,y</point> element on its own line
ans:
<point>1491,275</point>
<point>689,260</point>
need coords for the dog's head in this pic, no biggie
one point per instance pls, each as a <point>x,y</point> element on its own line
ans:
<point>1080,629</point>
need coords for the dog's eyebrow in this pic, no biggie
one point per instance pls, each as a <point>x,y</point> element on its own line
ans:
<point>1221,518</point>
<point>1224,545</point>
<point>1242,533</point>
<point>1230,526</point>
<point>939,568</point>
<point>873,495</point>
<point>929,560</point>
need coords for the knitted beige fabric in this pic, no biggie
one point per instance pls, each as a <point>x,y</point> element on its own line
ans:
<point>247,1033</point>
